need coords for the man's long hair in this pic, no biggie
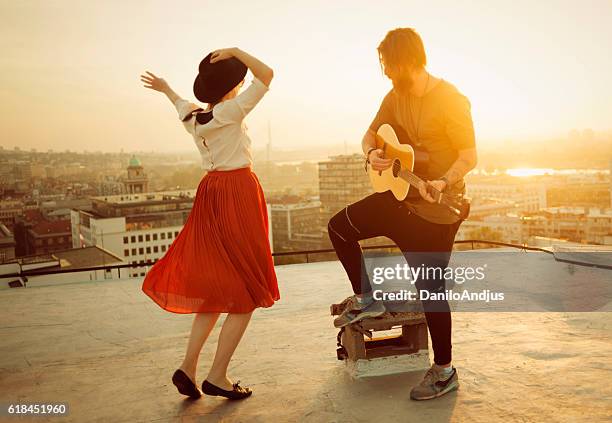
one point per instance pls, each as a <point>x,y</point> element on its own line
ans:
<point>402,47</point>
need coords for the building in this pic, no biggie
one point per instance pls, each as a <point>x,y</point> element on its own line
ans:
<point>557,222</point>
<point>41,232</point>
<point>483,208</point>
<point>504,228</point>
<point>110,185</point>
<point>20,230</point>
<point>598,226</point>
<point>9,210</point>
<point>23,171</point>
<point>342,181</point>
<point>7,244</point>
<point>46,236</point>
<point>295,226</point>
<point>136,181</point>
<point>577,224</point>
<point>579,194</point>
<point>571,224</point>
<point>527,197</point>
<point>139,228</point>
<point>59,209</point>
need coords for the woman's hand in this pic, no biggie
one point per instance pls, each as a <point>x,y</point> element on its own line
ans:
<point>222,54</point>
<point>378,161</point>
<point>154,82</point>
<point>259,69</point>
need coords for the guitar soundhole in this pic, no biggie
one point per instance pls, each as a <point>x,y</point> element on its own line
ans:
<point>397,166</point>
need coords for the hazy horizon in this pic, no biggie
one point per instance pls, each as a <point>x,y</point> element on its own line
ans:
<point>70,71</point>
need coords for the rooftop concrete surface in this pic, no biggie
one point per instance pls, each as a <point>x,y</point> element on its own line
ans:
<point>109,352</point>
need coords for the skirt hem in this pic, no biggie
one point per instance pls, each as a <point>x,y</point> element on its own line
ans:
<point>157,300</point>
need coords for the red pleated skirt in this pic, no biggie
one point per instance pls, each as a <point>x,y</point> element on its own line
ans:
<point>221,260</point>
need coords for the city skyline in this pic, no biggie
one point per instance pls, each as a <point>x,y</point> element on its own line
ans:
<point>488,233</point>
<point>77,73</point>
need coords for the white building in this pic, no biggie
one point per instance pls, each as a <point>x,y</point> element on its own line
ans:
<point>137,227</point>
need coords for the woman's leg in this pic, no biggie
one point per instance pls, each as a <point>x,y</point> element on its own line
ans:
<point>231,333</point>
<point>203,324</point>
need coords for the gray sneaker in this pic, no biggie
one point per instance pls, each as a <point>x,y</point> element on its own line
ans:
<point>350,312</point>
<point>433,385</point>
<point>345,318</point>
<point>374,309</point>
<point>354,303</point>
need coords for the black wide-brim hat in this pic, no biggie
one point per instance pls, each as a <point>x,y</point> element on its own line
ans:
<point>214,80</point>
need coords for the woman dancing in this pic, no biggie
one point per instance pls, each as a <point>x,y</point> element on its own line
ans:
<point>221,260</point>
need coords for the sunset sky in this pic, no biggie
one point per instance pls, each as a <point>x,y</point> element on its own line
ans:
<point>69,70</point>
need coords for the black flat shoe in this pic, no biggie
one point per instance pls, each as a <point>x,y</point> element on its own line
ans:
<point>184,385</point>
<point>235,394</point>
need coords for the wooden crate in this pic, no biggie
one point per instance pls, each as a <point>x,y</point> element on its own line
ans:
<point>360,343</point>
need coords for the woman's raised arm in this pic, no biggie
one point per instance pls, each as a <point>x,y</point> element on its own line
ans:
<point>156,83</point>
<point>260,70</point>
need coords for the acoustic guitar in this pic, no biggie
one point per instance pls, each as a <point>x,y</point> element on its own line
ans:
<point>400,177</point>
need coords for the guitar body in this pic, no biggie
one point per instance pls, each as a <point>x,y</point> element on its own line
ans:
<point>400,177</point>
<point>403,156</point>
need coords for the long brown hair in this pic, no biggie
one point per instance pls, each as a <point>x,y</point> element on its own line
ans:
<point>402,47</point>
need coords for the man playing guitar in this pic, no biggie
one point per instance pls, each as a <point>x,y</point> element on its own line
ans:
<point>435,118</point>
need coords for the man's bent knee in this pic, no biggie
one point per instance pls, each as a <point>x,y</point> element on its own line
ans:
<point>339,226</point>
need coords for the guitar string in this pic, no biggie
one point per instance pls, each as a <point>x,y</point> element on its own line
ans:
<point>415,180</point>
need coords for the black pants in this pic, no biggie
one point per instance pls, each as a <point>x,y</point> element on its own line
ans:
<point>380,214</point>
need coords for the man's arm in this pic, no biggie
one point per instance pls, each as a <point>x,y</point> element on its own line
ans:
<point>375,156</point>
<point>368,143</point>
<point>463,165</point>
<point>460,131</point>
<point>465,162</point>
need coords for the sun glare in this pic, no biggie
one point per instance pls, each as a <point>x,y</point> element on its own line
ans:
<point>529,171</point>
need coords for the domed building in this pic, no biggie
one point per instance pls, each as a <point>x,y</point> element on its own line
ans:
<point>136,181</point>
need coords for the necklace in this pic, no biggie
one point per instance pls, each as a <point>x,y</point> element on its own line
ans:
<point>418,125</point>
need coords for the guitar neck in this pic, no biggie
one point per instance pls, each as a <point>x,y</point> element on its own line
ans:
<point>415,181</point>
<point>411,178</point>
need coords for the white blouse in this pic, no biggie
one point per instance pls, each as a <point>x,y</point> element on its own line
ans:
<point>223,142</point>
